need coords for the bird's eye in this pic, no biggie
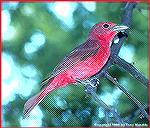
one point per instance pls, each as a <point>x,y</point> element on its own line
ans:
<point>106,25</point>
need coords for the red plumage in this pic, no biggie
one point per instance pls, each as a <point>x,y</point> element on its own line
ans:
<point>83,62</point>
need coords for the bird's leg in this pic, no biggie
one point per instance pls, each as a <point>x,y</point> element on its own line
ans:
<point>90,85</point>
<point>80,81</point>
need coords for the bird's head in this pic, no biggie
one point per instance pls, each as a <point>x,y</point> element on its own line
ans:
<point>106,30</point>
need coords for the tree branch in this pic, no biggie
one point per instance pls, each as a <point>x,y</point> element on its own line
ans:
<point>114,58</point>
<point>130,96</point>
<point>136,113</point>
<point>91,86</point>
<point>107,108</point>
<point>131,69</point>
<point>115,48</point>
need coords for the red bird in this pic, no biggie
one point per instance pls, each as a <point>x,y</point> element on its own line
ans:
<point>83,61</point>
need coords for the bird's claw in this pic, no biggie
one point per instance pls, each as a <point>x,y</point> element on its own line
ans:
<point>93,82</point>
<point>78,80</point>
<point>90,85</point>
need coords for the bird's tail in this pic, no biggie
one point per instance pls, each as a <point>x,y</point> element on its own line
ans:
<point>35,100</point>
<point>32,102</point>
<point>51,84</point>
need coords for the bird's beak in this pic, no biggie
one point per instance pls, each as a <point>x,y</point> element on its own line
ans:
<point>119,28</point>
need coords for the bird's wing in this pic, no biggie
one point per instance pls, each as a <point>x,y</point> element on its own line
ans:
<point>80,53</point>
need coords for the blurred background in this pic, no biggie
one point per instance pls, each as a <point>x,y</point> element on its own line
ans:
<point>36,37</point>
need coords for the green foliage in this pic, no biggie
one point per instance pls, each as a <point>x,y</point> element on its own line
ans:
<point>80,110</point>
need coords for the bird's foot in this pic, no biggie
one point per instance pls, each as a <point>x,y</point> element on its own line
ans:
<point>90,84</point>
<point>93,81</point>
